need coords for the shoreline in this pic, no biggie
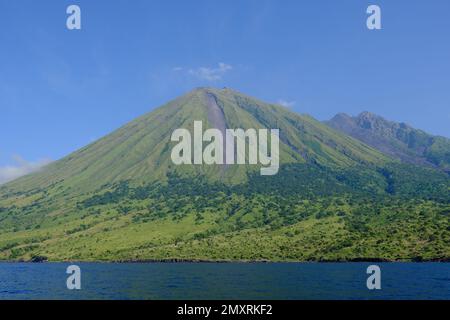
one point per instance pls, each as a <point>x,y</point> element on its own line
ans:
<point>194,261</point>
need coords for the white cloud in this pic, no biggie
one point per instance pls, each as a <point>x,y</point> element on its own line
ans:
<point>211,74</point>
<point>20,168</point>
<point>287,104</point>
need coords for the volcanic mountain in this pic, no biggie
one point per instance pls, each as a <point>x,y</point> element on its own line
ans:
<point>122,198</point>
<point>140,150</point>
<point>398,140</point>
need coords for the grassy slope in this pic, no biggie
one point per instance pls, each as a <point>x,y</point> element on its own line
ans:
<point>140,150</point>
<point>221,223</point>
<point>337,201</point>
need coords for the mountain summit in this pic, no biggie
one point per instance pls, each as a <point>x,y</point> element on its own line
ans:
<point>140,150</point>
<point>334,197</point>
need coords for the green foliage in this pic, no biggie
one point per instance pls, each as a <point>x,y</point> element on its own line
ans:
<point>304,213</point>
<point>334,197</point>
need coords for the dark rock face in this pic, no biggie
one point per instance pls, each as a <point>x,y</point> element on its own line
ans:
<point>38,259</point>
<point>397,140</point>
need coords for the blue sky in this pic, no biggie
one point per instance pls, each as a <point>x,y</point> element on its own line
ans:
<point>61,89</point>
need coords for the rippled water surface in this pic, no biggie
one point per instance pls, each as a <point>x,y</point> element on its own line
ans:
<point>225,281</point>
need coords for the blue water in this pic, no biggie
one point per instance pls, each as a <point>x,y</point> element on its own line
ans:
<point>225,281</point>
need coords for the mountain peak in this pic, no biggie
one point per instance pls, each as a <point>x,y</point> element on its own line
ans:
<point>367,114</point>
<point>141,150</point>
<point>214,90</point>
<point>123,196</point>
<point>341,116</point>
<point>395,139</point>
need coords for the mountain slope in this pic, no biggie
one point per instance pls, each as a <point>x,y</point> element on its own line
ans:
<point>121,197</point>
<point>398,140</point>
<point>141,149</point>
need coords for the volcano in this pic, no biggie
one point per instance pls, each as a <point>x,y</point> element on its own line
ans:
<point>122,197</point>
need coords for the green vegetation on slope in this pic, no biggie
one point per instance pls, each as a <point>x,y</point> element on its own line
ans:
<point>306,213</point>
<point>121,198</point>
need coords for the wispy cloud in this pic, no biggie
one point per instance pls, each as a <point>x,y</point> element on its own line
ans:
<point>20,168</point>
<point>207,73</point>
<point>285,103</point>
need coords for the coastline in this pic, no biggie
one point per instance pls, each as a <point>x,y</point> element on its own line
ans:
<point>194,261</point>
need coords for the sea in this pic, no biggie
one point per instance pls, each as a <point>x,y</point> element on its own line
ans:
<point>234,281</point>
